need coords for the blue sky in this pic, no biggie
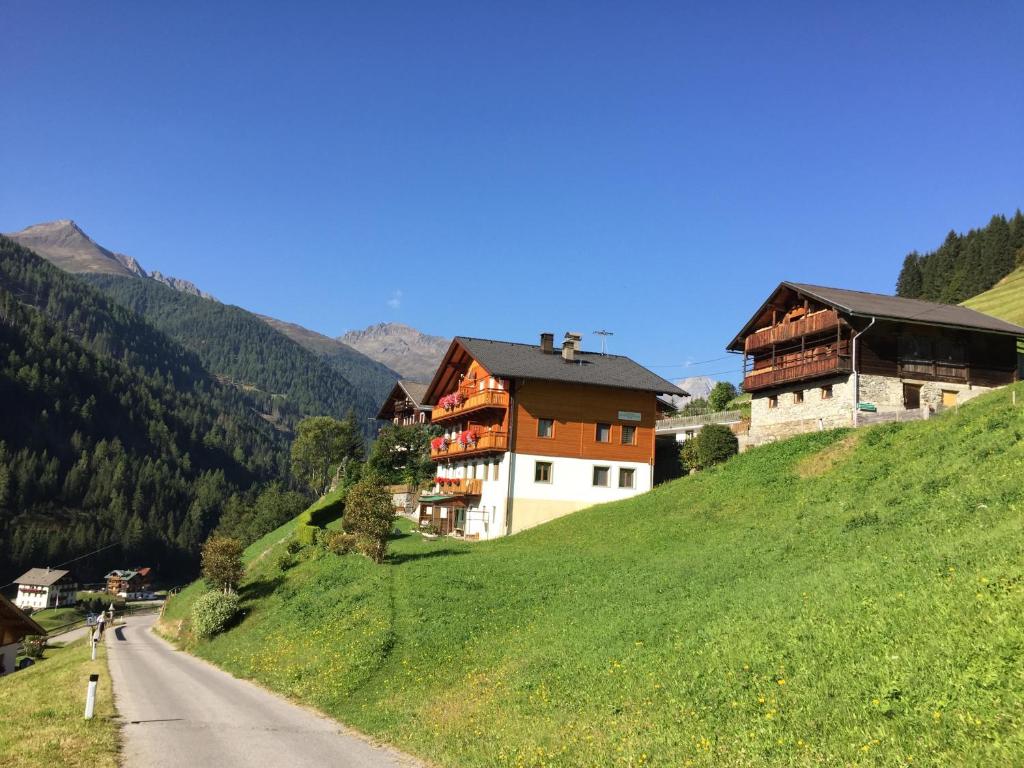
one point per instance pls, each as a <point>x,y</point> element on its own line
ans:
<point>501,169</point>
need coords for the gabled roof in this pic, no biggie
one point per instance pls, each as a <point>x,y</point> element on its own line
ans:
<point>41,577</point>
<point>12,617</point>
<point>864,304</point>
<point>510,360</point>
<point>413,390</point>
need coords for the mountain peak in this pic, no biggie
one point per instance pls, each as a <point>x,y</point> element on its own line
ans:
<point>413,354</point>
<point>66,245</point>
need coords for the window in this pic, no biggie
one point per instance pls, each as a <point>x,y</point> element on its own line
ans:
<point>604,433</point>
<point>542,472</point>
<point>628,434</point>
<point>773,401</point>
<point>601,476</point>
<point>494,471</point>
<point>798,397</point>
<point>545,427</point>
<point>627,478</point>
<point>472,471</point>
<point>826,392</point>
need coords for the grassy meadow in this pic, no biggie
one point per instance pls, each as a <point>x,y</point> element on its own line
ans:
<point>41,713</point>
<point>841,598</point>
<point>1005,299</point>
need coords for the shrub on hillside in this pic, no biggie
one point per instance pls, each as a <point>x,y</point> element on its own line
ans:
<point>712,445</point>
<point>340,543</point>
<point>34,646</point>
<point>213,612</point>
<point>369,515</point>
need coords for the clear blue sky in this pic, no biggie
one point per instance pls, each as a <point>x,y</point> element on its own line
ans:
<point>647,168</point>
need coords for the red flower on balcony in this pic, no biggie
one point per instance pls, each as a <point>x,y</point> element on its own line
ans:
<point>439,443</point>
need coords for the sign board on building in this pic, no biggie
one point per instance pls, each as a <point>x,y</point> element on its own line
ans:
<point>629,416</point>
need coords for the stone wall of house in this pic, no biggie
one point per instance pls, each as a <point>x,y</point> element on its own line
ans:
<point>790,417</point>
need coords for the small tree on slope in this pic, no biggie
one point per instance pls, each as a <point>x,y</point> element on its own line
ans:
<point>222,562</point>
<point>369,514</point>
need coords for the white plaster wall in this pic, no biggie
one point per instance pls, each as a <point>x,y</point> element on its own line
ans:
<point>8,654</point>
<point>35,600</point>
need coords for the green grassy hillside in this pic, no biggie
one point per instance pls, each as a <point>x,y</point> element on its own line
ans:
<point>1005,299</point>
<point>836,599</point>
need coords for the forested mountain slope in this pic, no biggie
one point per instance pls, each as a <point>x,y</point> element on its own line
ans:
<point>284,378</point>
<point>111,432</point>
<point>838,599</point>
<point>964,265</point>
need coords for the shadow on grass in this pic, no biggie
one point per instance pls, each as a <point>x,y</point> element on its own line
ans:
<point>397,558</point>
<point>256,590</point>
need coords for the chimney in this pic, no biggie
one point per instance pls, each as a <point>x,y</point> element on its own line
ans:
<point>547,343</point>
<point>570,346</point>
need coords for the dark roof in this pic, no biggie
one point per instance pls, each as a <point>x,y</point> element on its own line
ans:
<point>402,389</point>
<point>41,577</point>
<point>12,617</point>
<point>885,307</point>
<point>415,390</point>
<point>511,360</point>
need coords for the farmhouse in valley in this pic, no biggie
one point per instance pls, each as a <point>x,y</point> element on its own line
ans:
<point>45,588</point>
<point>816,357</point>
<point>14,625</point>
<point>128,581</point>
<point>404,405</point>
<point>534,432</point>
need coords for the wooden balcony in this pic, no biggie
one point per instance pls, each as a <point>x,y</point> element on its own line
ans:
<point>475,400</point>
<point>819,322</point>
<point>766,378</point>
<point>459,487</point>
<point>487,442</point>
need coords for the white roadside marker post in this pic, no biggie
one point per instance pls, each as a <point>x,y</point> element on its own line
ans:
<point>90,697</point>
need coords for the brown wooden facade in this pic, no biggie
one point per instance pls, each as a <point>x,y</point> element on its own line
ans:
<point>796,338</point>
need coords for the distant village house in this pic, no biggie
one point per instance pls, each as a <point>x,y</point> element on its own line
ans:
<point>404,406</point>
<point>127,582</point>
<point>41,588</point>
<point>534,432</point>
<point>817,358</point>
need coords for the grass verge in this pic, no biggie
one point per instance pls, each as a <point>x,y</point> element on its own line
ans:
<point>41,713</point>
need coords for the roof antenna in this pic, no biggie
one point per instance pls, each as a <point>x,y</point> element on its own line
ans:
<point>604,340</point>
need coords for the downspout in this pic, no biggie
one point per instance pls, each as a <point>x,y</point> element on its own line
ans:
<point>511,454</point>
<point>856,373</point>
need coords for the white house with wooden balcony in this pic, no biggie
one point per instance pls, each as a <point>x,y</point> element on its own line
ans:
<point>534,432</point>
<point>40,588</point>
<point>817,357</point>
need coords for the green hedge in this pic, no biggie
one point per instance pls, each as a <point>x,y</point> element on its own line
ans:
<point>324,511</point>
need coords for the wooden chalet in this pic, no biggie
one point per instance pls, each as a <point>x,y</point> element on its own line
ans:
<point>404,405</point>
<point>127,581</point>
<point>533,432</point>
<point>815,357</point>
<point>15,624</point>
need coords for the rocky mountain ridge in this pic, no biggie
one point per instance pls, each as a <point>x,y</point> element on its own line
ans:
<point>413,354</point>
<point>64,244</point>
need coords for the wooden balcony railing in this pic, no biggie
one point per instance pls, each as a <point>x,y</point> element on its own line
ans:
<point>771,377</point>
<point>487,442</point>
<point>459,487</point>
<point>475,400</point>
<point>819,322</point>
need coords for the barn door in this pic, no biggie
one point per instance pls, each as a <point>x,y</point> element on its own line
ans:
<point>912,396</point>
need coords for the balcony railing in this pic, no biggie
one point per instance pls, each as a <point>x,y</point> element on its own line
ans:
<point>473,400</point>
<point>819,322</point>
<point>486,442</point>
<point>771,377</point>
<point>459,487</point>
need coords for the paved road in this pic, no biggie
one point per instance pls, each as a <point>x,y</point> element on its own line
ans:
<point>181,711</point>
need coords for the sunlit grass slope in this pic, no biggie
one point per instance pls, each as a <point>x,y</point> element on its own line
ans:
<point>837,599</point>
<point>1005,299</point>
<point>41,713</point>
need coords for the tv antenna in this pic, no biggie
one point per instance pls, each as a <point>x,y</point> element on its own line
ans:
<point>604,340</point>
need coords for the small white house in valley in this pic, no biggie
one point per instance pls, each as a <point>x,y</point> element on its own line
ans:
<point>40,588</point>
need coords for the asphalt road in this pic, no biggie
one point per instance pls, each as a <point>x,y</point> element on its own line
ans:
<point>180,711</point>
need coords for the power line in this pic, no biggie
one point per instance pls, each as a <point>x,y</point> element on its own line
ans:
<point>687,365</point>
<point>73,560</point>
